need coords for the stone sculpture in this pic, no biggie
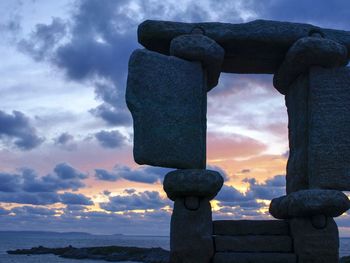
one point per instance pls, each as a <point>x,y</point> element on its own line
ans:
<point>166,94</point>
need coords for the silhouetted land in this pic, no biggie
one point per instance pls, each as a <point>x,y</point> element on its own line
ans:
<point>108,253</point>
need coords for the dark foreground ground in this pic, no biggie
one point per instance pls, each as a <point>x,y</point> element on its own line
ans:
<point>109,253</point>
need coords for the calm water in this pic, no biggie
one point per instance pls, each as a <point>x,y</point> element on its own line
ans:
<point>9,241</point>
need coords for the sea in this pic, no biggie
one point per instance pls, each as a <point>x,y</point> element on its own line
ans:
<point>15,240</point>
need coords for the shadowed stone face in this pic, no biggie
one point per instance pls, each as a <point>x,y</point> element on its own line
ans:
<point>167,98</point>
<point>329,129</point>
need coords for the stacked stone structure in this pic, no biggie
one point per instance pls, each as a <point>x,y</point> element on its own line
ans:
<point>166,94</point>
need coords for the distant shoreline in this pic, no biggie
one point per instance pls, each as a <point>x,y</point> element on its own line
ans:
<point>108,253</point>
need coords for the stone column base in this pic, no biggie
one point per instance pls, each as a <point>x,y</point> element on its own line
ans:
<point>191,233</point>
<point>315,245</point>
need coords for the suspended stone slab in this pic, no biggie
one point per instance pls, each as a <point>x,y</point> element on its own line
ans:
<point>167,98</point>
<point>258,46</point>
<point>329,129</point>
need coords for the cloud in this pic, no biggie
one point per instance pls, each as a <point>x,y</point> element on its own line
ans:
<point>39,198</point>
<point>75,199</point>
<point>96,43</point>
<point>66,172</point>
<point>221,146</point>
<point>75,218</point>
<point>110,139</point>
<point>44,39</point>
<point>30,210</point>
<point>304,11</point>
<point>219,170</point>
<point>27,187</point>
<point>268,190</point>
<point>240,204</point>
<point>17,129</point>
<point>135,201</point>
<point>66,141</point>
<point>145,174</point>
<point>104,175</point>
<point>9,183</point>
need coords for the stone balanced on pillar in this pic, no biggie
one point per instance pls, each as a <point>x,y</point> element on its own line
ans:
<point>191,234</point>
<point>167,98</point>
<point>166,94</point>
<point>316,86</point>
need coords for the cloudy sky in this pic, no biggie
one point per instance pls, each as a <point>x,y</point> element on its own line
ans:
<point>66,135</point>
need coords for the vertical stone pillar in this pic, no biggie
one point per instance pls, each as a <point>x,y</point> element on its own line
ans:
<point>293,80</point>
<point>315,245</point>
<point>191,235</point>
<point>311,77</point>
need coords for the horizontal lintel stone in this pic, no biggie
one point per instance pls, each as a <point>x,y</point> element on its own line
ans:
<point>254,47</point>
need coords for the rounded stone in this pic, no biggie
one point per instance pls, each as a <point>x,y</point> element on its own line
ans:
<point>305,53</point>
<point>319,221</point>
<point>309,203</point>
<point>192,183</point>
<point>197,47</point>
<point>192,203</point>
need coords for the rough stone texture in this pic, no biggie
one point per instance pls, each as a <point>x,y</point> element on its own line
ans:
<point>253,243</point>
<point>192,182</point>
<point>311,202</point>
<point>313,245</point>
<point>255,47</point>
<point>191,233</point>
<point>250,227</point>
<point>329,129</point>
<point>224,257</point>
<point>196,47</point>
<point>297,107</point>
<point>167,98</point>
<point>305,53</point>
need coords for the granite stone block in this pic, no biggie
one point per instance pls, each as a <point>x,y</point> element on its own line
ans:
<point>329,129</point>
<point>251,227</point>
<point>297,107</point>
<point>191,233</point>
<point>312,245</point>
<point>167,98</point>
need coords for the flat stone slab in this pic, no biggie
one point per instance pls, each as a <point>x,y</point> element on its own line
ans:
<point>224,257</point>
<point>329,129</point>
<point>255,47</point>
<point>253,243</point>
<point>192,182</point>
<point>307,203</point>
<point>250,227</point>
<point>167,98</point>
